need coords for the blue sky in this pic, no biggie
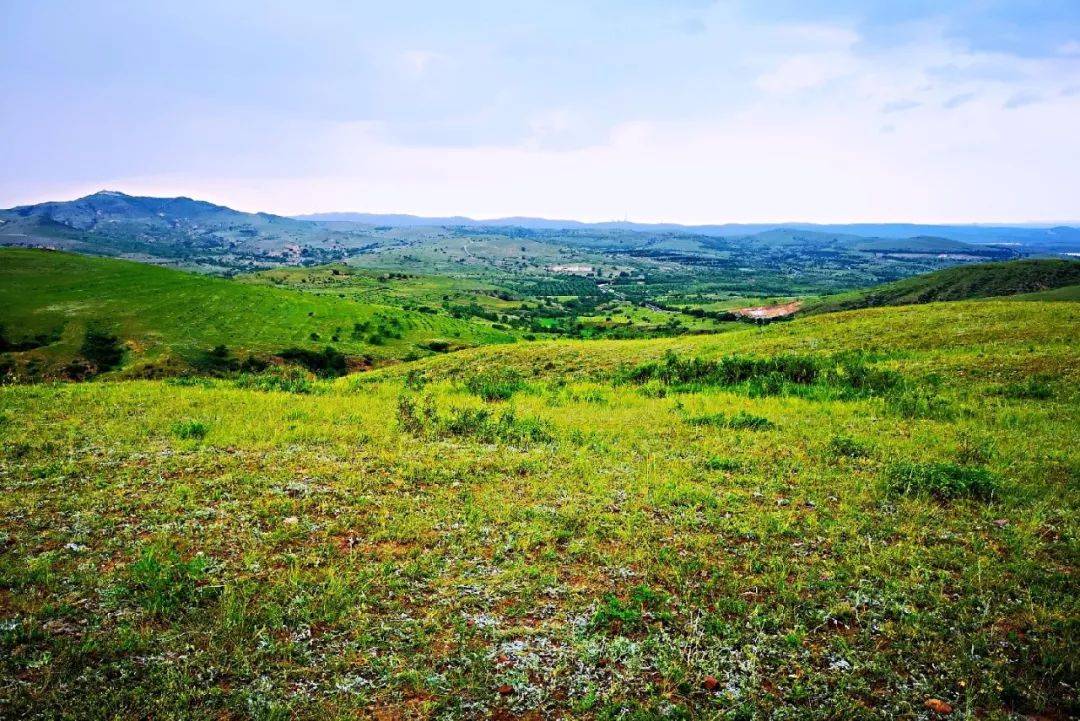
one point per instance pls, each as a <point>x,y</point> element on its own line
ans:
<point>684,110</point>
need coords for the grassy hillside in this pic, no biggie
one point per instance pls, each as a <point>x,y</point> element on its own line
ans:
<point>166,317</point>
<point>991,339</point>
<point>568,529</point>
<point>984,280</point>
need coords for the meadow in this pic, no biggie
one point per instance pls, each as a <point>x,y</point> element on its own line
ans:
<point>868,514</point>
<point>168,320</point>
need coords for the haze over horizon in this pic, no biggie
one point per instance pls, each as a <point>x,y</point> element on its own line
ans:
<point>689,112</point>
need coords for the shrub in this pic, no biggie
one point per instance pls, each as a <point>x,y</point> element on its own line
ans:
<point>422,418</point>
<point>216,360</point>
<point>328,363</point>
<point>37,341</point>
<point>415,380</point>
<point>722,464</point>
<point>189,429</point>
<point>848,373</point>
<point>495,385</point>
<point>940,480</point>
<point>438,346</point>
<point>102,349</point>
<point>847,447</point>
<point>285,380</point>
<point>1033,389</point>
<point>740,421</point>
<point>913,401</point>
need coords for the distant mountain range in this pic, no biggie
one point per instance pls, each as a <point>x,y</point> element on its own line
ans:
<point>1046,238</point>
<point>179,231</point>
<point>195,234</point>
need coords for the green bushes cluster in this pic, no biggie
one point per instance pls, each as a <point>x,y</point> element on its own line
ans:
<point>378,330</point>
<point>283,380</point>
<point>740,421</point>
<point>850,373</point>
<point>103,349</point>
<point>8,345</point>
<point>419,416</point>
<point>940,480</point>
<point>498,385</point>
<point>847,447</point>
<point>328,363</point>
<point>1035,388</point>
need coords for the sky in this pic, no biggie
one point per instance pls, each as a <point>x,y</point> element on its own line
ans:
<point>677,110</point>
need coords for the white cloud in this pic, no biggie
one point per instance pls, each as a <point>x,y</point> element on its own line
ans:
<point>417,62</point>
<point>805,72</point>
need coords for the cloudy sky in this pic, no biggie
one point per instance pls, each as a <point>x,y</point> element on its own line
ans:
<point>674,110</point>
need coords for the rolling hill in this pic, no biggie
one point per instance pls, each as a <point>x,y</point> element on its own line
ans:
<point>784,258</point>
<point>167,318</point>
<point>1041,238</point>
<point>984,280</point>
<point>174,231</point>
<point>851,515</point>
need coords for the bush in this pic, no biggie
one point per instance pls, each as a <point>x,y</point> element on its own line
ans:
<point>940,480</point>
<point>102,349</point>
<point>722,464</point>
<point>285,380</point>
<point>41,339</point>
<point>422,418</point>
<point>189,429</point>
<point>1033,389</point>
<point>847,447</point>
<point>740,421</point>
<point>328,363</point>
<point>849,373</point>
<point>913,401</point>
<point>216,360</point>
<point>438,346</point>
<point>495,385</point>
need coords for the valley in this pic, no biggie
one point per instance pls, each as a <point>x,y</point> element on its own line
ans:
<point>308,469</point>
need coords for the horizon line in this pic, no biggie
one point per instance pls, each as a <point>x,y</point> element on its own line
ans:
<point>308,216</point>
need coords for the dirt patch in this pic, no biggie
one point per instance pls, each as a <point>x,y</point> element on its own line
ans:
<point>769,312</point>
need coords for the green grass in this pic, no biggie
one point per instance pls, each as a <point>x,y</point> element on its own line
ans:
<point>516,531</point>
<point>167,318</point>
<point>1027,278</point>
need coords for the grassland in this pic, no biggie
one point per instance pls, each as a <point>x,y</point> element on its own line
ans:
<point>874,518</point>
<point>984,280</point>
<point>166,317</point>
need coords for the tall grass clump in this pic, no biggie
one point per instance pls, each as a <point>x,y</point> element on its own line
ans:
<point>499,385</point>
<point>185,430</point>
<point>944,481</point>
<point>163,582</point>
<point>420,416</point>
<point>740,421</point>
<point>848,374</point>
<point>1036,388</point>
<point>283,380</point>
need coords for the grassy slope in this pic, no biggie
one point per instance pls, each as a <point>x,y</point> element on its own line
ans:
<point>991,338</point>
<point>332,565</point>
<point>161,311</point>
<point>1068,292</point>
<point>964,282</point>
